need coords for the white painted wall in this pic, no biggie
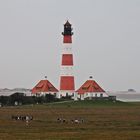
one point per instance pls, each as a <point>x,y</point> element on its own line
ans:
<point>93,94</point>
<point>67,48</point>
<point>64,93</point>
<point>66,71</point>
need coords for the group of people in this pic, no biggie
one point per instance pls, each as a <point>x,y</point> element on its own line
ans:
<point>25,118</point>
<point>76,121</point>
<point>28,118</point>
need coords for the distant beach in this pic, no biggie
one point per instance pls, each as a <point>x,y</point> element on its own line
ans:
<point>126,96</point>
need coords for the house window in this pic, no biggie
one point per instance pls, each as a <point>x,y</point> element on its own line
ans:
<point>55,94</point>
<point>67,94</point>
<point>101,95</point>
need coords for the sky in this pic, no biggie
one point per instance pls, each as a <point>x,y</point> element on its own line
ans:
<point>106,42</point>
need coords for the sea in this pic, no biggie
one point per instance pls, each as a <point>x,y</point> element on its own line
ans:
<point>126,96</point>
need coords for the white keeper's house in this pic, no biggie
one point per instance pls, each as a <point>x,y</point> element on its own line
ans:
<point>90,89</point>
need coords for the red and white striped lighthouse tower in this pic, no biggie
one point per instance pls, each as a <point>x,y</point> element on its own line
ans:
<point>67,85</point>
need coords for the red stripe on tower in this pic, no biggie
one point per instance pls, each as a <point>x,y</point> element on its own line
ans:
<point>67,85</point>
<point>67,59</point>
<point>67,39</point>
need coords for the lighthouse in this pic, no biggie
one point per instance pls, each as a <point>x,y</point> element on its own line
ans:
<point>67,84</point>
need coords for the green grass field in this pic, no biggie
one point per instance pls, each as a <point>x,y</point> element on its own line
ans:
<point>102,121</point>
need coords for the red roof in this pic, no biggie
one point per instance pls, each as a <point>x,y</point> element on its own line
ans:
<point>67,83</point>
<point>90,86</point>
<point>44,86</point>
<point>67,59</point>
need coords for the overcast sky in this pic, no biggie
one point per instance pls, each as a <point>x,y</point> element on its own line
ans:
<point>106,42</point>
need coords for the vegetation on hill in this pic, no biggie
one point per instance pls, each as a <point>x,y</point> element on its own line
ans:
<point>21,99</point>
